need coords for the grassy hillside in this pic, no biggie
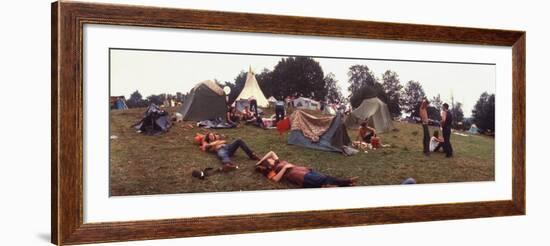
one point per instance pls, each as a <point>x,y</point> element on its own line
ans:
<point>163,164</point>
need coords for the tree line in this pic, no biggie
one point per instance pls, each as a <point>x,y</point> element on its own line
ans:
<point>304,77</point>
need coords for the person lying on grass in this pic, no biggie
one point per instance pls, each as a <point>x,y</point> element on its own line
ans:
<point>215,143</point>
<point>274,169</point>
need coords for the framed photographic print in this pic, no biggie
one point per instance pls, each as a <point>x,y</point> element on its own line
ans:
<point>177,123</point>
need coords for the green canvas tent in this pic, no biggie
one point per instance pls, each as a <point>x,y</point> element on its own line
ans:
<point>375,112</point>
<point>204,102</point>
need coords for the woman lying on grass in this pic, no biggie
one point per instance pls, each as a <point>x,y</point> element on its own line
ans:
<point>274,169</point>
<point>215,143</point>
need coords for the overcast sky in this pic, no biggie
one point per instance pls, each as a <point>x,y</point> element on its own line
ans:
<point>155,72</point>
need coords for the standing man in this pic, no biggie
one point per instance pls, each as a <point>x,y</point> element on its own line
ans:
<point>424,118</point>
<point>279,109</point>
<point>446,120</point>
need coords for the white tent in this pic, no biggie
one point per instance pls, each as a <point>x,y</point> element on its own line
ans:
<point>306,103</point>
<point>252,89</point>
<point>375,112</point>
<point>272,101</point>
<point>329,109</point>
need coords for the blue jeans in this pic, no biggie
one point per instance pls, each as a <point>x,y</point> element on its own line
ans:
<point>315,179</point>
<point>228,150</point>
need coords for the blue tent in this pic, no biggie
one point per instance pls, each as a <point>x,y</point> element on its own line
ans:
<point>334,139</point>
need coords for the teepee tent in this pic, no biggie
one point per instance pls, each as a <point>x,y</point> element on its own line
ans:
<point>252,89</point>
<point>327,133</point>
<point>204,102</point>
<point>272,101</point>
<point>375,112</point>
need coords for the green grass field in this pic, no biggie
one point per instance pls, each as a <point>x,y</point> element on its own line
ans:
<point>141,164</point>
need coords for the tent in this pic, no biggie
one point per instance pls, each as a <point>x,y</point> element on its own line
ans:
<point>473,129</point>
<point>271,100</point>
<point>204,102</point>
<point>155,122</point>
<point>306,103</point>
<point>329,109</point>
<point>252,89</point>
<point>118,102</point>
<point>326,133</point>
<point>375,112</point>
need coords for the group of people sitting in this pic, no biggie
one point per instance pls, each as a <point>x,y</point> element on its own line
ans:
<point>270,166</point>
<point>249,115</point>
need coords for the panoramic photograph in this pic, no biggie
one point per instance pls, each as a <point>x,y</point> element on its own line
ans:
<point>195,121</point>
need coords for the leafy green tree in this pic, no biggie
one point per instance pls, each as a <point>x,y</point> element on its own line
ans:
<point>412,96</point>
<point>298,76</point>
<point>136,100</point>
<point>334,92</point>
<point>458,114</point>
<point>156,99</point>
<point>392,88</point>
<point>433,113</point>
<point>483,113</point>
<point>265,82</point>
<point>237,86</point>
<point>360,76</point>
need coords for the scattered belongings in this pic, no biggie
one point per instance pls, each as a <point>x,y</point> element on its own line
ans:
<point>460,134</point>
<point>155,121</point>
<point>218,123</point>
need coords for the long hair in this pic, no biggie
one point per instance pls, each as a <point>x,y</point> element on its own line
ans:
<point>264,167</point>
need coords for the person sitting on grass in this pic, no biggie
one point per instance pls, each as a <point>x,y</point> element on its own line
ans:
<point>252,118</point>
<point>232,116</point>
<point>216,143</point>
<point>274,169</point>
<point>436,142</point>
<point>247,115</point>
<point>366,133</point>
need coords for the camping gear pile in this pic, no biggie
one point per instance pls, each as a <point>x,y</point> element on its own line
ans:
<point>155,122</point>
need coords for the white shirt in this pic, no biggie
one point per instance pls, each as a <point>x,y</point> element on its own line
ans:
<point>433,143</point>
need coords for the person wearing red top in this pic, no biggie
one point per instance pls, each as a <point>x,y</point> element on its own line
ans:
<point>276,170</point>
